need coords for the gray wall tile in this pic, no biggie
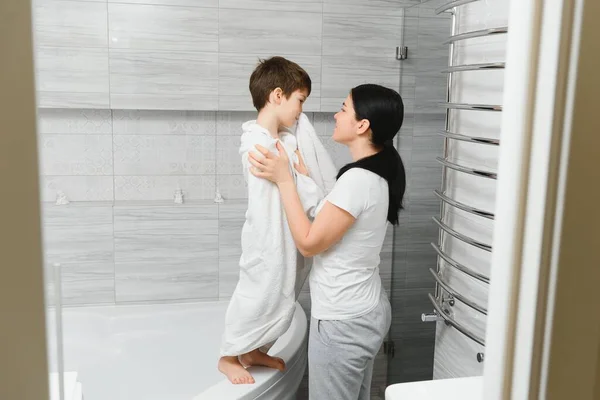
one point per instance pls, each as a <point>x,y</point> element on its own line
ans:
<point>250,31</point>
<point>315,6</point>
<point>83,283</point>
<point>195,278</point>
<point>166,253</point>
<point>78,234</point>
<point>70,24</point>
<point>340,74</point>
<point>155,27</point>
<point>190,3</point>
<point>139,79</point>
<point>371,7</point>
<point>369,36</point>
<point>82,72</point>
<point>70,100</point>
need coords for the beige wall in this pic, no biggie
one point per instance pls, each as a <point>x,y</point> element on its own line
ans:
<point>23,367</point>
<point>575,343</point>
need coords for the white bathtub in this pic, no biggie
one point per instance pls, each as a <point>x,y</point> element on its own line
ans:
<point>168,352</point>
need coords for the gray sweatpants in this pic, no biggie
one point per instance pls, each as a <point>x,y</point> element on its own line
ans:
<point>341,354</point>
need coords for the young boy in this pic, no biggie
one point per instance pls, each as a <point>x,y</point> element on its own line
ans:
<point>263,303</point>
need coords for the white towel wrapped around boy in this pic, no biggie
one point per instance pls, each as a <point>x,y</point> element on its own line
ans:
<point>271,269</point>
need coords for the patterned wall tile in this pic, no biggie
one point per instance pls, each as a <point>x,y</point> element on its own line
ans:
<point>164,155</point>
<point>138,187</point>
<point>76,154</point>
<point>159,122</point>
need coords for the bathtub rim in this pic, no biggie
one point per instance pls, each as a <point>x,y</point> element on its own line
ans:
<point>289,347</point>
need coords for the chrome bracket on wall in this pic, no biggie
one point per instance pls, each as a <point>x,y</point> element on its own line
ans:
<point>401,53</point>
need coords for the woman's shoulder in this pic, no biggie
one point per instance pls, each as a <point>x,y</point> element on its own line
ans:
<point>361,175</point>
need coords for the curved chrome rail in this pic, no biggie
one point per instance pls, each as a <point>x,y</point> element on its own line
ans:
<point>472,139</point>
<point>450,321</point>
<point>467,170</point>
<point>464,207</point>
<point>460,267</point>
<point>452,4</point>
<point>475,67</point>
<point>476,34</point>
<point>472,107</point>
<point>461,237</point>
<point>457,295</point>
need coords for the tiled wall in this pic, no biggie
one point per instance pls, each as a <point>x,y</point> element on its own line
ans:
<point>197,55</point>
<point>122,238</point>
<point>455,354</point>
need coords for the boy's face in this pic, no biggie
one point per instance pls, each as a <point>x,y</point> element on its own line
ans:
<point>289,109</point>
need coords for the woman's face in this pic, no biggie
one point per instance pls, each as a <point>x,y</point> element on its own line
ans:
<point>345,123</point>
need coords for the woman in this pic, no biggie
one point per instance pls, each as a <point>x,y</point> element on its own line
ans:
<point>350,311</point>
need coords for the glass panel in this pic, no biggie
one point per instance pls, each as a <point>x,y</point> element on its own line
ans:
<point>422,86</point>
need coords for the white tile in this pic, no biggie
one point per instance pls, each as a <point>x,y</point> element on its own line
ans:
<point>153,27</point>
<point>73,70</point>
<point>338,152</point>
<point>228,158</point>
<point>74,121</point>
<point>230,123</point>
<point>315,6</point>
<point>142,79</point>
<point>70,23</point>
<point>250,31</point>
<point>144,122</point>
<point>367,7</point>
<point>324,124</point>
<point>175,279</point>
<point>164,155</point>
<point>232,186</point>
<point>369,36</point>
<point>76,154</point>
<point>235,70</point>
<point>340,74</point>
<point>163,187</point>
<point>77,188</point>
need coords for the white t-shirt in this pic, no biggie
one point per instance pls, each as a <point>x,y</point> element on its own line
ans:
<point>344,280</point>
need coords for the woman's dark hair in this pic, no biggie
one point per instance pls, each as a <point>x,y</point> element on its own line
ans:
<point>384,109</point>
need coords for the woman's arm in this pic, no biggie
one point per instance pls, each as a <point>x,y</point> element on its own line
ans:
<point>329,226</point>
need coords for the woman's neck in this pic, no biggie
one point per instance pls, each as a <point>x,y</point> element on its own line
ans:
<point>361,150</point>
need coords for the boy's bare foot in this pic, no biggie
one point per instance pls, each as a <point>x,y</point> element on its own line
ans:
<point>234,371</point>
<point>257,357</point>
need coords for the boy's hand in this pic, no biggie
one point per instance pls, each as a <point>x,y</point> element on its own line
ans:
<point>301,167</point>
<point>267,165</point>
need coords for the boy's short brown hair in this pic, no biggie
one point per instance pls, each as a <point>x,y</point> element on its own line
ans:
<point>276,72</point>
